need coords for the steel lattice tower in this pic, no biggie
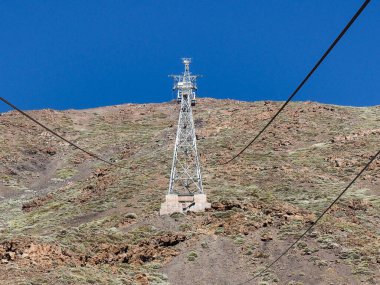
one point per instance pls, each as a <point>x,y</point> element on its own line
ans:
<point>185,178</point>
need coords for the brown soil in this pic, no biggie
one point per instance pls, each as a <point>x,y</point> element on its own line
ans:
<point>69,219</point>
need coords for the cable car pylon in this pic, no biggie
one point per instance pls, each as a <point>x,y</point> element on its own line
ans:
<point>185,187</point>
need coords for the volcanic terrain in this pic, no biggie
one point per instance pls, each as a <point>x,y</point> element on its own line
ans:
<point>66,218</point>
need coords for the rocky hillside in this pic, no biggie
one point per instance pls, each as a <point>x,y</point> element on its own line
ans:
<point>66,218</point>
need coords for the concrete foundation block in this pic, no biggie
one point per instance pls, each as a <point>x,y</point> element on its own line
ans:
<point>200,203</point>
<point>180,204</point>
<point>171,205</point>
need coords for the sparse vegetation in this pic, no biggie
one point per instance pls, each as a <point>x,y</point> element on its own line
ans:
<point>65,173</point>
<point>192,256</point>
<point>92,224</point>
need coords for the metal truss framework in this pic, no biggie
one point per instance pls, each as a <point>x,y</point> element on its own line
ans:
<point>185,178</point>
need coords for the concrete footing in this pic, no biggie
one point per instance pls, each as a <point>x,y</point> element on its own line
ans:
<point>180,204</point>
<point>171,205</point>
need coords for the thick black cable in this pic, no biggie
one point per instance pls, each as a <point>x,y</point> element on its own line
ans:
<point>305,79</point>
<point>313,224</point>
<point>54,133</point>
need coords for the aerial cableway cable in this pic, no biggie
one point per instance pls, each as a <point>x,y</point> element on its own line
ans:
<point>314,223</point>
<point>55,133</point>
<point>353,19</point>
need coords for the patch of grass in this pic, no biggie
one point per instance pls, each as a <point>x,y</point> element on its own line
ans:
<point>302,245</point>
<point>239,240</point>
<point>131,216</point>
<point>192,256</point>
<point>177,216</point>
<point>222,215</point>
<point>362,269</point>
<point>327,242</point>
<point>65,173</point>
<point>219,230</point>
<point>185,227</point>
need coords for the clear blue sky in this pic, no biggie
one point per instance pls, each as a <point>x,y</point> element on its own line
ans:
<point>80,54</point>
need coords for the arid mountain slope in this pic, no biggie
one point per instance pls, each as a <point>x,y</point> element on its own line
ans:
<point>68,219</point>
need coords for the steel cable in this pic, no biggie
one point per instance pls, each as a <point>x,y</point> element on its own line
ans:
<point>55,133</point>
<point>353,19</point>
<point>316,221</point>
